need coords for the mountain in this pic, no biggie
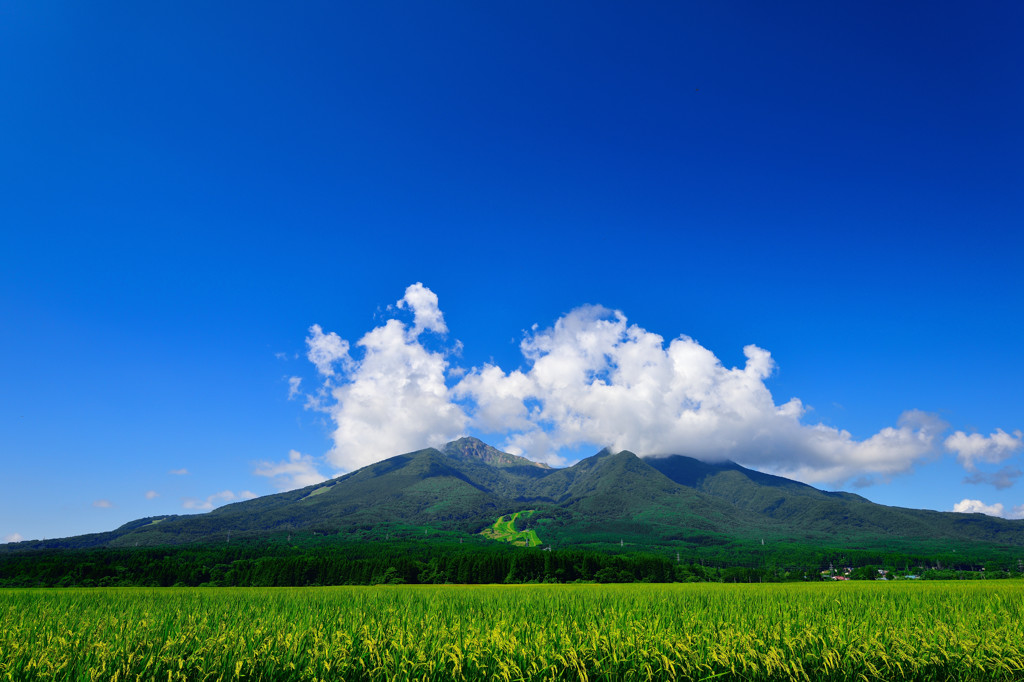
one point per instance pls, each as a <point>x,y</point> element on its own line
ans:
<point>612,499</point>
<point>470,449</point>
<point>810,512</point>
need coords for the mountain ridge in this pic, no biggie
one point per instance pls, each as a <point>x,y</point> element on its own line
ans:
<point>462,487</point>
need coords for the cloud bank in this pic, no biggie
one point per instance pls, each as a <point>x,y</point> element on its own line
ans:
<point>594,379</point>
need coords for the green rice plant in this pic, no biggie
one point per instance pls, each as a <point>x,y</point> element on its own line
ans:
<point>853,631</point>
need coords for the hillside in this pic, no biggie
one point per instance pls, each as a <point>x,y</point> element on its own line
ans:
<point>610,500</point>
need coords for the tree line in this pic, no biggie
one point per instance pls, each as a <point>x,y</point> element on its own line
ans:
<point>279,564</point>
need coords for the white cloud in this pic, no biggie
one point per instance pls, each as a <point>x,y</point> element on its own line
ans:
<point>594,379</point>
<point>178,472</point>
<point>499,399</point>
<point>103,504</point>
<point>216,500</point>
<point>394,398</point>
<point>966,506</point>
<point>152,494</point>
<point>293,387</point>
<point>325,350</point>
<point>13,537</point>
<point>426,314</point>
<point>297,471</point>
<point>975,447</point>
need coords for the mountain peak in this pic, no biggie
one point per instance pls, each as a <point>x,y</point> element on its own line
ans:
<point>474,448</point>
<point>667,502</point>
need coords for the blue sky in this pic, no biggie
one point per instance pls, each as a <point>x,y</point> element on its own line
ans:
<point>185,190</point>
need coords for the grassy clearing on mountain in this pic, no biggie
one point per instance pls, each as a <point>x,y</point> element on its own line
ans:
<point>504,529</point>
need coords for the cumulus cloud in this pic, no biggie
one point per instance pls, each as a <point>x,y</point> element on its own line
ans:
<point>394,398</point>
<point>975,447</point>
<point>152,494</point>
<point>1002,479</point>
<point>178,472</point>
<point>216,500</point>
<point>103,504</point>
<point>297,471</point>
<point>426,313</point>
<point>293,387</point>
<point>966,506</point>
<point>13,537</point>
<point>594,379</point>
<point>325,350</point>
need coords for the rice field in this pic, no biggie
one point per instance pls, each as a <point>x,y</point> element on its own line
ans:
<point>821,631</point>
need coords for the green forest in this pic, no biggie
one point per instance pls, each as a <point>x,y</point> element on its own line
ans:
<point>309,560</point>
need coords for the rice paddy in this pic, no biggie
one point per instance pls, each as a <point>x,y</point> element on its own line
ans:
<point>820,631</point>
